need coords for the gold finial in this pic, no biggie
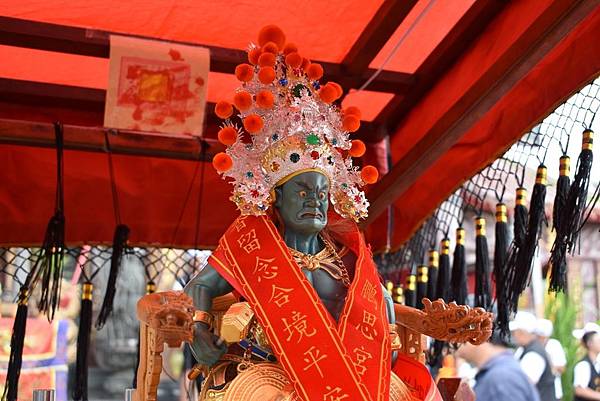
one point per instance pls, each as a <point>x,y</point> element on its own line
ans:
<point>480,226</point>
<point>434,259</point>
<point>411,281</point>
<point>423,273</point>
<point>565,166</point>
<point>446,247</point>
<point>501,216</point>
<point>87,290</point>
<point>588,139</point>
<point>542,175</point>
<point>460,236</point>
<point>522,196</point>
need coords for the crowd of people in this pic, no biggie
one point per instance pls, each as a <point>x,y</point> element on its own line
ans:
<point>531,372</point>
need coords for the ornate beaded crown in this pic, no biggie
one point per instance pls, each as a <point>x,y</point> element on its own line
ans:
<point>290,125</point>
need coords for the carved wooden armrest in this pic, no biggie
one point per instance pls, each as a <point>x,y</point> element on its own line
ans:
<point>447,322</point>
<point>165,317</point>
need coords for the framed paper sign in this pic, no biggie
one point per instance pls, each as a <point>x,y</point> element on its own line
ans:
<point>156,86</point>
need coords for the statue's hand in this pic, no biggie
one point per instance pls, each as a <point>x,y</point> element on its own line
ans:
<point>207,348</point>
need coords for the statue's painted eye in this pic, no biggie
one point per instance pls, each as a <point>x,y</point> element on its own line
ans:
<point>302,194</point>
<point>322,195</point>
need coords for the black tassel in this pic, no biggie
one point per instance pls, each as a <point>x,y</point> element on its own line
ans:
<point>410,292</point>
<point>80,391</point>
<point>50,259</point>
<point>422,280</point>
<point>558,254</point>
<point>500,253</point>
<point>119,247</point>
<point>537,217</point>
<point>443,282</point>
<point>483,298</point>
<point>434,263</point>
<point>575,207</point>
<point>459,290</point>
<point>11,386</point>
<point>501,244</point>
<point>506,277</point>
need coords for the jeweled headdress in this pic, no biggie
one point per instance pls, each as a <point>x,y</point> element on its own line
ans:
<point>290,125</point>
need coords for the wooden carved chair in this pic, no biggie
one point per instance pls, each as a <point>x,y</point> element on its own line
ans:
<point>167,317</point>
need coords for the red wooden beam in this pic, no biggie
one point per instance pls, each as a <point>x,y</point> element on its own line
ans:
<point>96,43</point>
<point>543,33</point>
<point>90,100</point>
<point>440,60</point>
<point>376,34</point>
<point>92,139</point>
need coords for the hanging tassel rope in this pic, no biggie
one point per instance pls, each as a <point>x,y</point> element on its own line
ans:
<point>11,385</point>
<point>49,262</point>
<point>459,290</point>
<point>443,282</point>
<point>500,256</point>
<point>435,354</point>
<point>80,390</point>
<point>119,248</point>
<point>500,245</point>
<point>422,280</point>
<point>434,264</point>
<point>483,298</point>
<point>558,254</point>
<point>526,255</point>
<point>576,203</point>
<point>504,296</point>
<point>410,291</point>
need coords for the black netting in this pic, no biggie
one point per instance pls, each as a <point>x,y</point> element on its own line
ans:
<point>557,135</point>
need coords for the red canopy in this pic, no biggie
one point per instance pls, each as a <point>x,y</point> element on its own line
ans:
<point>461,81</point>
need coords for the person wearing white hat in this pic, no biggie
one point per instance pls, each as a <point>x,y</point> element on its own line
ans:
<point>533,359</point>
<point>555,351</point>
<point>586,378</point>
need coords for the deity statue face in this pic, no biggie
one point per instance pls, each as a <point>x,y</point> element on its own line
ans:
<point>303,201</point>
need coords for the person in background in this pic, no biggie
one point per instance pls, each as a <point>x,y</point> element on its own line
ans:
<point>555,352</point>
<point>500,377</point>
<point>532,357</point>
<point>586,378</point>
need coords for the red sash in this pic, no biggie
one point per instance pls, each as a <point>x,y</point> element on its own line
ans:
<point>325,363</point>
<point>418,379</point>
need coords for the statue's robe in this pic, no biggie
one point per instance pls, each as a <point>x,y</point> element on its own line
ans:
<point>348,360</point>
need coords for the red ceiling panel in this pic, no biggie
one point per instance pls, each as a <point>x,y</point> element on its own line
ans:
<point>428,32</point>
<point>323,30</point>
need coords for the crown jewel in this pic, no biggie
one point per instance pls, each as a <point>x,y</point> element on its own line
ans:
<point>289,125</point>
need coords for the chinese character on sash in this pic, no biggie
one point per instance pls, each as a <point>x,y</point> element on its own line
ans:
<point>248,242</point>
<point>369,291</point>
<point>264,269</point>
<point>240,224</point>
<point>312,358</point>
<point>334,394</point>
<point>280,296</point>
<point>361,356</point>
<point>367,326</point>
<point>297,326</point>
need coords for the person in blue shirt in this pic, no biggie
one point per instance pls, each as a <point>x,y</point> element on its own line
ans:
<point>499,377</point>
